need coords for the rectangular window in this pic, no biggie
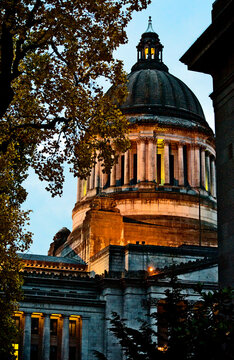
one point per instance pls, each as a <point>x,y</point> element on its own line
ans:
<point>72,328</point>
<point>159,180</point>
<point>134,168</point>
<point>171,166</point>
<point>34,352</point>
<point>53,326</point>
<point>53,353</point>
<point>35,325</point>
<point>185,165</point>
<point>122,170</point>
<point>72,353</point>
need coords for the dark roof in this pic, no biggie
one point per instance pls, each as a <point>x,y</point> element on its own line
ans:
<point>55,259</point>
<point>157,92</point>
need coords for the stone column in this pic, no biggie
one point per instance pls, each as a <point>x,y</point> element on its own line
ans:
<point>112,176</point>
<point>130,164</point>
<point>203,167</point>
<point>85,339</point>
<point>65,338</point>
<point>104,179</point>
<point>181,163</point>
<point>118,171</point>
<point>97,175</point>
<point>213,178</point>
<point>126,168</point>
<point>191,165</point>
<point>208,172</point>
<point>91,179</point>
<point>166,161</point>
<point>78,189</point>
<point>141,159</point>
<point>46,338</point>
<point>27,337</point>
<point>197,166</point>
<point>152,149</point>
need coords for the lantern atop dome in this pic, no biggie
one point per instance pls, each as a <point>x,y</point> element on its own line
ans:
<point>149,50</point>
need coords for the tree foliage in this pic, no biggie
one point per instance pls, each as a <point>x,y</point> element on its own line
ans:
<point>197,331</point>
<point>54,57</point>
<point>53,53</point>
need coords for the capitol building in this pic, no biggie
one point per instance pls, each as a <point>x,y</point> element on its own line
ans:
<point>152,217</point>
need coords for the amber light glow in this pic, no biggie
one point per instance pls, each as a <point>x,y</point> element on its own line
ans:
<point>163,348</point>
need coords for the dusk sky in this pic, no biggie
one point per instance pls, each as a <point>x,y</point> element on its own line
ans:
<point>178,23</point>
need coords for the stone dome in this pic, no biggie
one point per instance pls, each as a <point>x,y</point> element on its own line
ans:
<point>153,91</point>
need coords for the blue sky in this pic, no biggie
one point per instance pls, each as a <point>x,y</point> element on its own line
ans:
<point>179,23</point>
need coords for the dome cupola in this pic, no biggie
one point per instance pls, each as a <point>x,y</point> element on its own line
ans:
<point>149,51</point>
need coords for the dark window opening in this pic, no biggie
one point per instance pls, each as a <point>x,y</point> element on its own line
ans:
<point>53,353</point>
<point>134,168</point>
<point>171,169</point>
<point>53,326</point>
<point>35,326</point>
<point>72,328</point>
<point>185,165</point>
<point>72,353</point>
<point>159,169</point>
<point>34,352</point>
<point>122,170</point>
<point>107,184</point>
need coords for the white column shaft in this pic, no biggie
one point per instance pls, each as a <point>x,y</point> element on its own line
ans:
<point>126,168</point>
<point>166,162</point>
<point>191,166</point>
<point>78,190</point>
<point>197,166</point>
<point>97,175</point>
<point>141,160</point>
<point>27,337</point>
<point>46,338</point>
<point>65,339</point>
<point>181,164</point>
<point>213,177</point>
<point>203,168</point>
<point>112,176</point>
<point>151,161</point>
<point>208,172</point>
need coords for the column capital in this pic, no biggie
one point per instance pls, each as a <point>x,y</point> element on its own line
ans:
<point>181,143</point>
<point>202,147</point>
<point>141,139</point>
<point>152,140</point>
<point>27,313</point>
<point>65,316</point>
<point>46,315</point>
<point>197,146</point>
<point>166,142</point>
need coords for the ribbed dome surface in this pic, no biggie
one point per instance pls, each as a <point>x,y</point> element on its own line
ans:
<point>152,91</point>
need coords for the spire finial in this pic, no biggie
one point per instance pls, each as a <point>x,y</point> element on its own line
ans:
<point>150,27</point>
